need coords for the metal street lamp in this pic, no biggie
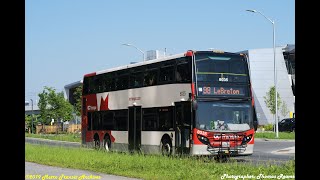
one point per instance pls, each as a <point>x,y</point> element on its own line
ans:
<point>31,116</point>
<point>274,66</point>
<point>136,48</point>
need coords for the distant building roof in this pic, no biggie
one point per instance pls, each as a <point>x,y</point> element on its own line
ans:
<point>290,48</point>
<point>72,85</point>
<point>29,108</point>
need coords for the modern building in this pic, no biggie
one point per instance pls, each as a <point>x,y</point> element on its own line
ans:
<point>69,90</point>
<point>262,74</point>
<point>261,63</point>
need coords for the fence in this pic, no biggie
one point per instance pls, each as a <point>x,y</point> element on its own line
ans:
<point>47,129</point>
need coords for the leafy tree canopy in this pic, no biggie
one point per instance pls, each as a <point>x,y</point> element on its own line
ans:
<point>270,100</point>
<point>53,105</point>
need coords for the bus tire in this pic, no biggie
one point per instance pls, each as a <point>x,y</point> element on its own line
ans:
<point>166,147</point>
<point>96,141</point>
<point>221,158</point>
<point>107,143</point>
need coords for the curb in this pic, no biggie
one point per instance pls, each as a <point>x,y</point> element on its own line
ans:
<point>274,140</point>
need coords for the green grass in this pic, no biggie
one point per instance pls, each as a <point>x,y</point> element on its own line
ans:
<point>77,137</point>
<point>60,137</point>
<point>272,135</point>
<point>147,166</point>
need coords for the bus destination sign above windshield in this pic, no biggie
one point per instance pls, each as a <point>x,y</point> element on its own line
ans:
<point>221,91</point>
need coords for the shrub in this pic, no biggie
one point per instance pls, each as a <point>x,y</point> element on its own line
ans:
<point>268,127</point>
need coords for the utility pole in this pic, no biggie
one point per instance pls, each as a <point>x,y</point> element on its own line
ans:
<point>31,116</point>
<point>274,66</point>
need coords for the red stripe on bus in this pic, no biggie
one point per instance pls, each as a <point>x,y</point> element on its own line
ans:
<point>90,74</point>
<point>252,102</point>
<point>189,53</point>
<point>192,91</point>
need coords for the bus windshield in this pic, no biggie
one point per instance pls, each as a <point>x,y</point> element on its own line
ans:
<point>215,67</point>
<point>224,116</point>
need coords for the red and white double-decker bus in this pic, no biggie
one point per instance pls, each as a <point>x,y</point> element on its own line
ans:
<point>197,103</point>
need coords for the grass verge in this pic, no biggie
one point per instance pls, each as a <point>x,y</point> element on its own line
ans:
<point>148,166</point>
<point>59,137</point>
<point>272,135</point>
<point>77,137</point>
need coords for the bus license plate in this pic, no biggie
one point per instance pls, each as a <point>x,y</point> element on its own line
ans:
<point>225,144</point>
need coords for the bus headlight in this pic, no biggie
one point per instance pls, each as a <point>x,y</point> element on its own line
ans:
<point>203,139</point>
<point>246,139</point>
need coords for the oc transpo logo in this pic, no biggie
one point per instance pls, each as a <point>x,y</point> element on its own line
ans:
<point>93,108</point>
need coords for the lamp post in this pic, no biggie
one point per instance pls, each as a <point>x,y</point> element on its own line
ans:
<point>274,66</point>
<point>31,116</point>
<point>136,48</point>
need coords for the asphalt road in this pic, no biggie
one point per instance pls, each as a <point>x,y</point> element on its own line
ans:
<point>270,151</point>
<point>51,142</point>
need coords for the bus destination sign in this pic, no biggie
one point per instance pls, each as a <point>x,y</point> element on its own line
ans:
<point>221,91</point>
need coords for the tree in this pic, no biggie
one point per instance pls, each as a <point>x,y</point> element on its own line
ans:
<point>28,121</point>
<point>270,100</point>
<point>53,105</point>
<point>43,105</point>
<point>284,109</point>
<point>77,94</point>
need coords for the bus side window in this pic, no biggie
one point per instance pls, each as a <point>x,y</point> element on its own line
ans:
<point>166,74</point>
<point>96,121</point>
<point>97,84</point>
<point>85,85</point>
<point>166,118</point>
<point>107,120</point>
<point>122,82</point>
<point>121,120</point>
<point>136,79</point>
<point>150,119</point>
<point>90,85</point>
<point>150,77</point>
<point>107,82</point>
<point>183,73</point>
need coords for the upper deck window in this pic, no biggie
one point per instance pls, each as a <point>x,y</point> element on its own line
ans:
<point>221,67</point>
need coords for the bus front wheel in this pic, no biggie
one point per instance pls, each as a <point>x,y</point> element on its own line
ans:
<point>166,147</point>
<point>107,143</point>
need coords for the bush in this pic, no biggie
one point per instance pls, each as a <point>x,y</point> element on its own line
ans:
<point>268,127</point>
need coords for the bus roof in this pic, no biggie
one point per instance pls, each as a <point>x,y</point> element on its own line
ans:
<point>141,63</point>
<point>151,62</point>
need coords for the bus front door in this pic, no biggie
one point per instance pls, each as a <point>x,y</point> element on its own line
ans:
<point>134,131</point>
<point>183,127</point>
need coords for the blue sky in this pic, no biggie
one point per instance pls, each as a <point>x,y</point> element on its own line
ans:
<point>65,39</point>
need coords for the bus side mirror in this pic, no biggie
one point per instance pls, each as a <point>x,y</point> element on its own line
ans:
<point>255,125</point>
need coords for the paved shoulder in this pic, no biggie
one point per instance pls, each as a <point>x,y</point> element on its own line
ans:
<point>39,171</point>
<point>51,142</point>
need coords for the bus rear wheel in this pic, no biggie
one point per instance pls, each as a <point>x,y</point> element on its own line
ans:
<point>166,147</point>
<point>107,143</point>
<point>96,142</point>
